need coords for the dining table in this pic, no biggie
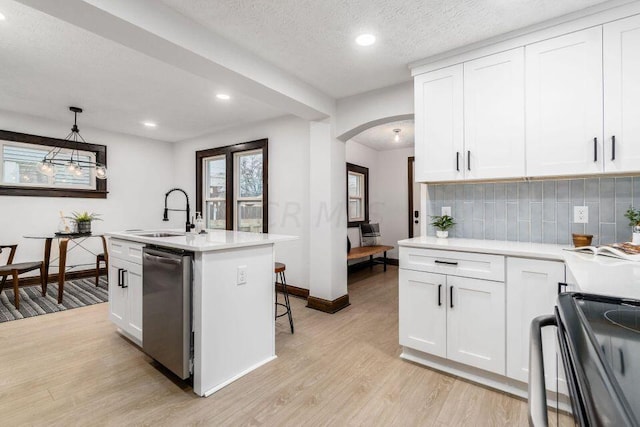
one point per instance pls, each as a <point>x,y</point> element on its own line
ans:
<point>66,242</point>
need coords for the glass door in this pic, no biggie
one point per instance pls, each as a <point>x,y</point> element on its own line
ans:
<point>215,192</point>
<point>248,191</point>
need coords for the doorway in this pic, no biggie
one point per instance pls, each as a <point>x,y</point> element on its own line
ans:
<point>414,200</point>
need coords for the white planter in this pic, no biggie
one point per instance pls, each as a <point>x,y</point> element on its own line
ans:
<point>636,239</point>
<point>442,234</point>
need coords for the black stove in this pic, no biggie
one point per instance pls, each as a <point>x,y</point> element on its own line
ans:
<point>599,339</point>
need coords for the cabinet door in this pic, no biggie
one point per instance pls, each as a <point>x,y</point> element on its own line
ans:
<point>117,294</point>
<point>422,311</point>
<point>494,116</point>
<point>532,288</point>
<point>622,95</point>
<point>564,106</point>
<point>133,282</point>
<point>439,125</point>
<point>476,323</point>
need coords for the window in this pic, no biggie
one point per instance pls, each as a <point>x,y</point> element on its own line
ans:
<point>232,186</point>
<point>357,195</point>
<point>20,155</point>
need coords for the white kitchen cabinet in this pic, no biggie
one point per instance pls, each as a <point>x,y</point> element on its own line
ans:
<point>621,55</point>
<point>564,105</point>
<point>458,318</point>
<point>423,315</point>
<point>125,288</point>
<point>439,128</point>
<point>476,323</point>
<point>532,290</point>
<point>494,116</point>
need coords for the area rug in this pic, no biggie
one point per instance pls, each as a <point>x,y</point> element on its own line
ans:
<point>77,293</point>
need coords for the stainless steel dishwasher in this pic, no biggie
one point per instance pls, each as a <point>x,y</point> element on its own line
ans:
<point>166,308</point>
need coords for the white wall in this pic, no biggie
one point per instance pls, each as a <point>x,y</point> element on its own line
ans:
<point>137,182</point>
<point>288,182</point>
<point>388,191</point>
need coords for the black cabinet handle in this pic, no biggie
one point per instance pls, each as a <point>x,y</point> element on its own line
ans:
<point>458,161</point>
<point>451,297</point>
<point>621,361</point>
<point>595,149</point>
<point>560,286</point>
<point>439,295</point>
<point>613,147</point>
<point>120,277</point>
<point>123,285</point>
<point>468,160</point>
<point>446,262</point>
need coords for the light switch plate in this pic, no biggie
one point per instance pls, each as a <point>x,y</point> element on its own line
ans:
<point>446,210</point>
<point>580,214</point>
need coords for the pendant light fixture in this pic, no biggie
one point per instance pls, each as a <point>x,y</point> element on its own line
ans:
<point>74,164</point>
<point>397,137</point>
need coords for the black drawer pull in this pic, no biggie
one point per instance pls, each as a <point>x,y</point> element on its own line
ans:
<point>446,262</point>
<point>121,272</point>
<point>560,286</point>
<point>595,149</point>
<point>613,147</point>
<point>468,160</point>
<point>458,161</point>
<point>120,277</point>
<point>451,297</point>
<point>439,295</point>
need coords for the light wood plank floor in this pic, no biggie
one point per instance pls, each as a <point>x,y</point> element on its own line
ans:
<point>72,368</point>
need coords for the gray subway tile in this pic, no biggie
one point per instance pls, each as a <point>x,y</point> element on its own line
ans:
<point>467,226</point>
<point>549,210</point>
<point>478,229</point>
<point>563,229</point>
<point>500,190</point>
<point>562,191</point>
<point>535,191</point>
<point>431,192</point>
<point>468,192</point>
<point>593,226</point>
<point>623,191</point>
<point>489,220</point>
<point>449,195</point>
<point>501,210</point>
<point>512,221</point>
<point>576,192</point>
<point>623,229</point>
<point>536,222</point>
<point>523,231</point>
<point>549,232</point>
<point>489,192</point>
<point>549,190</point>
<point>592,190</point>
<point>636,192</point>
<point>440,193</point>
<point>501,230</point>
<point>607,233</point>
<point>577,228</point>
<point>460,192</point>
<point>523,210</point>
<point>512,191</point>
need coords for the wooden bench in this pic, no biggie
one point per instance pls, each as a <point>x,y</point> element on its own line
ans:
<point>370,251</point>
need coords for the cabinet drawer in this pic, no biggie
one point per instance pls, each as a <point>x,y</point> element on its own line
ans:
<point>465,264</point>
<point>128,251</point>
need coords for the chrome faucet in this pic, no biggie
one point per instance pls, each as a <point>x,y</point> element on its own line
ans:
<point>188,225</point>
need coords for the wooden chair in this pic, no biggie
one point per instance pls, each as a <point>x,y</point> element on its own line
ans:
<point>15,270</point>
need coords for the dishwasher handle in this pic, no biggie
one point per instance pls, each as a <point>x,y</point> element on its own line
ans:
<point>537,386</point>
<point>161,259</point>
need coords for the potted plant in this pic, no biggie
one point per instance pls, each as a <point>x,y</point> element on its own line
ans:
<point>633,215</point>
<point>83,221</point>
<point>442,223</point>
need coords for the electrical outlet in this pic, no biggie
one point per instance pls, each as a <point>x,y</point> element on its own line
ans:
<point>242,274</point>
<point>580,214</point>
<point>446,210</point>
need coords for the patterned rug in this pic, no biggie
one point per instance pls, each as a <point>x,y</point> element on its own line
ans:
<point>77,293</point>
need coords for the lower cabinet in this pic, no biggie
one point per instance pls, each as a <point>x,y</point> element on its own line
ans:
<point>458,318</point>
<point>125,296</point>
<point>532,292</point>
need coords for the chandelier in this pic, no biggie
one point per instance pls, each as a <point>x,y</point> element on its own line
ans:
<point>74,164</point>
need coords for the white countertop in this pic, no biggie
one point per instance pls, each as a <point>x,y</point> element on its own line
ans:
<point>594,274</point>
<point>214,240</point>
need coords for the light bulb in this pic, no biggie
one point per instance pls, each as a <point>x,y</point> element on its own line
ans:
<point>101,172</point>
<point>78,171</point>
<point>397,138</point>
<point>43,167</point>
<point>366,39</point>
<point>71,167</point>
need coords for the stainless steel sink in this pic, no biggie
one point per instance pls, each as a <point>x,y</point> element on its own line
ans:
<point>160,234</point>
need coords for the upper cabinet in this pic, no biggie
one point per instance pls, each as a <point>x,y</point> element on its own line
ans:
<point>439,127</point>
<point>564,106</point>
<point>494,116</point>
<point>567,105</point>
<point>622,95</point>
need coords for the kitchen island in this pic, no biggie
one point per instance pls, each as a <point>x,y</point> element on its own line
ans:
<point>232,297</point>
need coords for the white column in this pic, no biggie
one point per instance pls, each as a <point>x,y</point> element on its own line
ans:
<point>328,216</point>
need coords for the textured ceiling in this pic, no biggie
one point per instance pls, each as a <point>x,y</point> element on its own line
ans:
<point>47,65</point>
<point>315,39</point>
<point>381,137</point>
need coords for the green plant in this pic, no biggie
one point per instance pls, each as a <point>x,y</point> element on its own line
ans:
<point>442,222</point>
<point>633,215</point>
<point>84,216</point>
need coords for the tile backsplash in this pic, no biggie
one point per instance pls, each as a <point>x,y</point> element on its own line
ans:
<point>538,211</point>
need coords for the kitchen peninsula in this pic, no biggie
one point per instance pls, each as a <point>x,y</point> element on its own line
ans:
<point>231,297</point>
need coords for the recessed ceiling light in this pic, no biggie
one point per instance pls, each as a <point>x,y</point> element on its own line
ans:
<point>2,17</point>
<point>366,39</point>
<point>396,138</point>
<point>149,124</point>
<point>223,96</point>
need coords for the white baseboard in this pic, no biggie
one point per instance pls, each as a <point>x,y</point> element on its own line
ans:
<point>235,377</point>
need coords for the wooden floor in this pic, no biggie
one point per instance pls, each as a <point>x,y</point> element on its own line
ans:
<point>72,368</point>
